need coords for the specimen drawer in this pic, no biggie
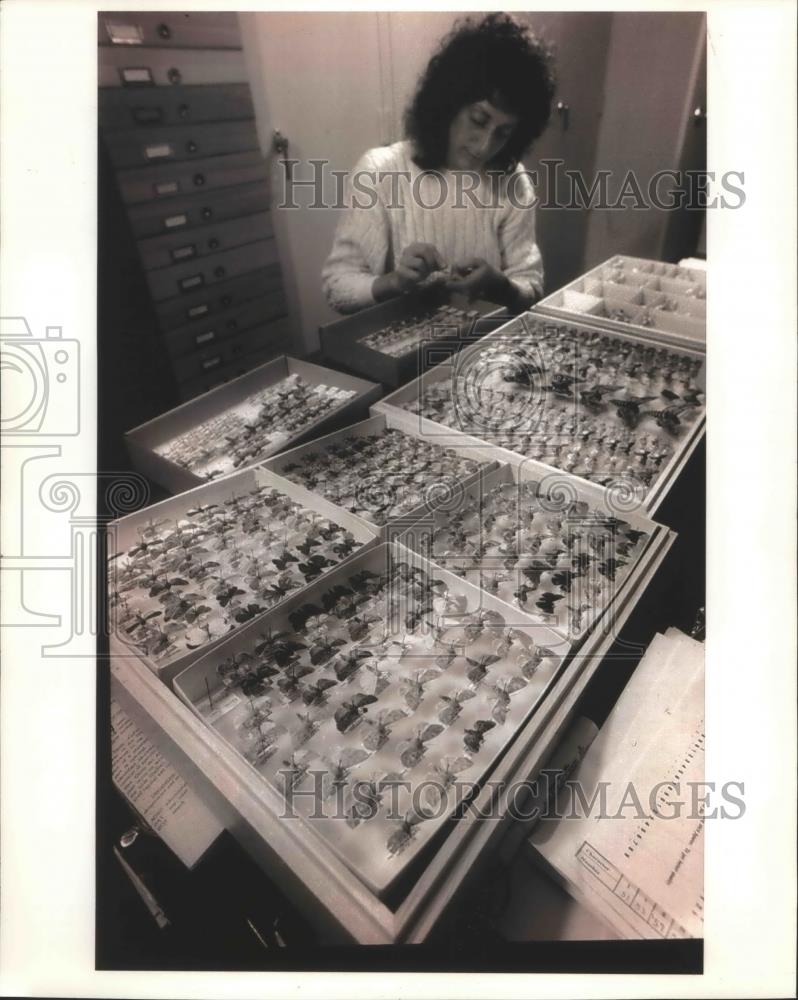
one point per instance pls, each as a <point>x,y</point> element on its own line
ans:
<point>173,248</point>
<point>130,66</point>
<point>173,215</point>
<point>207,333</point>
<point>552,384</point>
<point>178,279</point>
<point>124,108</point>
<point>171,179</point>
<point>169,564</point>
<point>210,301</point>
<point>210,357</point>
<point>371,492</point>
<point>343,340</point>
<point>332,895</point>
<point>661,302</point>
<point>146,146</point>
<point>144,442</point>
<point>169,28</point>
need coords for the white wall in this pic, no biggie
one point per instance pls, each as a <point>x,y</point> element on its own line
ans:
<point>316,77</point>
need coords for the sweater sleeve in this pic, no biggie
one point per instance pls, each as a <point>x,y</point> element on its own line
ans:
<point>522,262</point>
<point>361,243</point>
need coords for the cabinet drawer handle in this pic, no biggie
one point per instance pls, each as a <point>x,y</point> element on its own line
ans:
<point>196,311</point>
<point>184,253</point>
<point>191,146</point>
<point>191,282</point>
<point>166,187</point>
<point>173,221</point>
<point>199,180</point>
<point>219,272</point>
<point>164,31</point>
<point>205,338</point>
<point>209,363</point>
<point>174,75</point>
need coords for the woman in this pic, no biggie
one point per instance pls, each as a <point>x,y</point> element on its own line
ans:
<point>452,202</point>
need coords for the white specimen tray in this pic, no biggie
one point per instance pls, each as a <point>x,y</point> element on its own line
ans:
<point>669,297</point>
<point>364,847</point>
<point>129,531</point>
<point>144,441</point>
<point>472,426</point>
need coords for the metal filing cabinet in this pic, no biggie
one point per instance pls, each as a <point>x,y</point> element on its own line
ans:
<point>177,123</point>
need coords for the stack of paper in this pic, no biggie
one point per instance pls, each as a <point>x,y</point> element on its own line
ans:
<point>629,840</point>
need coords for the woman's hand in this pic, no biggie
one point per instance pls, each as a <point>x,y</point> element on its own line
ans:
<point>416,263</point>
<point>475,277</point>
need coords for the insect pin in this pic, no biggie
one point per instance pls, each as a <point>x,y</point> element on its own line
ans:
<point>503,690</point>
<point>478,668</point>
<point>453,705</point>
<point>349,713</point>
<point>400,838</point>
<point>415,748</point>
<point>339,767</point>
<point>412,688</point>
<point>474,738</point>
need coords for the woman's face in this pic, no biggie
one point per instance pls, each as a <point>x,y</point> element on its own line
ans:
<point>477,133</point>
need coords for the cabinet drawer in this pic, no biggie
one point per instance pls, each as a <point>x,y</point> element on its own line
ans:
<point>146,146</point>
<point>167,282</point>
<point>169,28</point>
<point>227,352</point>
<point>125,107</point>
<point>196,386</point>
<point>205,303</point>
<point>208,333</point>
<point>130,66</point>
<point>173,179</point>
<point>175,215</point>
<point>175,248</point>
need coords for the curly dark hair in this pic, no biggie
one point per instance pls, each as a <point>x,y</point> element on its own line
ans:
<point>496,59</point>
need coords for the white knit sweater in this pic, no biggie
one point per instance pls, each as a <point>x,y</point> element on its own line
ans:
<point>428,207</point>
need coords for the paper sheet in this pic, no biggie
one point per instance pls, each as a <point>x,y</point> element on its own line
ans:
<point>158,792</point>
<point>638,859</point>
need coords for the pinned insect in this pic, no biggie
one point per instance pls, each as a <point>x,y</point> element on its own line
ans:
<point>380,727</point>
<point>628,410</point>
<point>412,688</point>
<point>339,767</point>
<point>400,838</point>
<point>305,730</point>
<point>294,770</point>
<point>503,689</point>
<point>478,668</point>
<point>594,396</point>
<point>669,417</point>
<point>546,602</point>
<point>415,748</point>
<point>531,662</point>
<point>265,746</point>
<point>349,713</point>
<point>359,626</point>
<point>347,665</point>
<point>289,684</point>
<point>474,738</point>
<point>453,705</point>
<point>445,773</point>
<point>563,384</point>
<point>324,649</point>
